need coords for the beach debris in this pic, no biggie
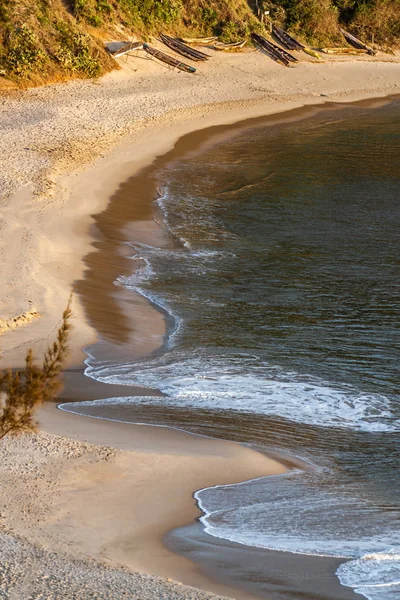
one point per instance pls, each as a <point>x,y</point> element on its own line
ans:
<point>356,43</point>
<point>167,59</point>
<point>116,49</point>
<point>15,322</point>
<point>177,46</point>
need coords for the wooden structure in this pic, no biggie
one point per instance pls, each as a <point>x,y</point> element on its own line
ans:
<point>345,51</point>
<point>167,59</point>
<point>116,49</point>
<point>273,51</point>
<point>206,41</point>
<point>285,39</point>
<point>291,43</point>
<point>233,47</point>
<point>356,43</point>
<point>177,46</point>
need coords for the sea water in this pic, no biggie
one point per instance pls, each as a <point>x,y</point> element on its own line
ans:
<point>281,286</point>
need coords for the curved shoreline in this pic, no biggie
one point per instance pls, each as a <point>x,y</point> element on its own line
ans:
<point>196,142</point>
<point>133,203</point>
<point>100,180</point>
<point>144,493</point>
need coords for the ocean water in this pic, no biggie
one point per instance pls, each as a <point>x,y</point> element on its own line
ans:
<point>280,286</point>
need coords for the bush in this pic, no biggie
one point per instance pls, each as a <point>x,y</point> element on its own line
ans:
<point>35,48</point>
<point>76,52</point>
<point>378,20</point>
<point>317,20</point>
<point>152,14</point>
<point>24,51</point>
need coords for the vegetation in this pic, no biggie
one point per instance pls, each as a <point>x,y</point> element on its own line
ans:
<point>23,391</point>
<point>41,41</point>
<point>318,21</point>
<point>50,40</point>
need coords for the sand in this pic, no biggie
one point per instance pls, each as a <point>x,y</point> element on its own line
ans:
<point>74,497</point>
<point>86,500</point>
<point>64,149</point>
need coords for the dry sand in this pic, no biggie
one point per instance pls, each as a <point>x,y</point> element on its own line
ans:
<point>68,508</point>
<point>78,499</point>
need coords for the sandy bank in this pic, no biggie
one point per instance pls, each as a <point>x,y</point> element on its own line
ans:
<point>111,491</point>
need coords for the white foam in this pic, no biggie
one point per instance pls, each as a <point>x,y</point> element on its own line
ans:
<point>303,520</point>
<point>296,513</point>
<point>252,386</point>
<point>376,575</point>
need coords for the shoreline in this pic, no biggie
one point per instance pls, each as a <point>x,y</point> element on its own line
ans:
<point>103,180</point>
<point>69,146</point>
<point>144,492</point>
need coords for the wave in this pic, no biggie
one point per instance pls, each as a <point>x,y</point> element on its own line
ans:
<point>291,249</point>
<point>376,576</point>
<point>304,515</point>
<point>245,383</point>
<point>304,518</point>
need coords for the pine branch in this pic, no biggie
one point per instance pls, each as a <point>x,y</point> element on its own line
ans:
<point>26,389</point>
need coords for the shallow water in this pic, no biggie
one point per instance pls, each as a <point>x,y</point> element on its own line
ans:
<point>281,284</point>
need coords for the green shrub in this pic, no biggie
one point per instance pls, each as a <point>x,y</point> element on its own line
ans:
<point>89,11</point>
<point>76,53</point>
<point>152,13</point>
<point>317,20</point>
<point>232,31</point>
<point>34,46</point>
<point>6,6</point>
<point>24,51</point>
<point>210,17</point>
<point>24,390</point>
<point>102,6</point>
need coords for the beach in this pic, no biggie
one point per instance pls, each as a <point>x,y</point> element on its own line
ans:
<point>78,181</point>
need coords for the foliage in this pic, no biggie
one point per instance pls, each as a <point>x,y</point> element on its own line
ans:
<point>49,40</point>
<point>23,391</point>
<point>152,13</point>
<point>91,11</point>
<point>317,21</point>
<point>229,19</point>
<point>24,51</point>
<point>317,17</point>
<point>377,19</point>
<point>76,52</point>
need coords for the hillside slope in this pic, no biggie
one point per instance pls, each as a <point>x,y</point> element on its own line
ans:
<point>52,40</point>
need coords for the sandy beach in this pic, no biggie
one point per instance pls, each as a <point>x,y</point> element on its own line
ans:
<point>88,500</point>
<point>67,148</point>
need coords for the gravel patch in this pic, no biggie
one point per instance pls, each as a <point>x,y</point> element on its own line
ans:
<point>30,573</point>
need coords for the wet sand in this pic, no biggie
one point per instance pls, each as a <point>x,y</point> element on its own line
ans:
<point>132,217</point>
<point>264,573</point>
<point>118,512</point>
